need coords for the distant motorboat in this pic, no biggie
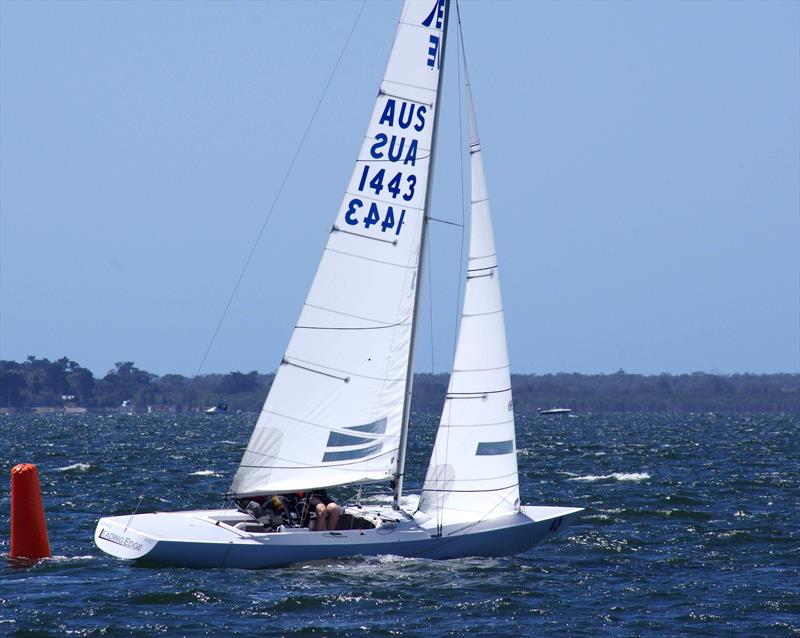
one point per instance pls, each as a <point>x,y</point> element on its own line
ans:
<point>555,411</point>
<point>220,407</point>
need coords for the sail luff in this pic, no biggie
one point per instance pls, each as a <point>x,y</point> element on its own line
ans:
<point>401,454</point>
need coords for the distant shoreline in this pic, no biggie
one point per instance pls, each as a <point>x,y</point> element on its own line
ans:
<point>64,385</point>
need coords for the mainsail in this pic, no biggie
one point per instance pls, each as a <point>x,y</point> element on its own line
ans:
<point>473,470</point>
<point>335,409</point>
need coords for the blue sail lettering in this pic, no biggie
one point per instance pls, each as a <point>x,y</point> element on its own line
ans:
<point>380,142</point>
<point>405,122</point>
<point>421,117</point>
<point>396,150</point>
<point>406,115</point>
<point>434,19</point>
<point>437,12</point>
<point>388,113</point>
<point>433,51</point>
<point>396,155</point>
<point>411,156</point>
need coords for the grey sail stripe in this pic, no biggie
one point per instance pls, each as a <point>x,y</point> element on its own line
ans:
<point>478,201</point>
<point>495,448</point>
<point>376,261</point>
<point>311,466</point>
<point>483,268</point>
<point>327,428</point>
<point>488,274</point>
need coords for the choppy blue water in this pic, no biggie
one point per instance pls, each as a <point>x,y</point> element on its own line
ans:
<point>692,529</point>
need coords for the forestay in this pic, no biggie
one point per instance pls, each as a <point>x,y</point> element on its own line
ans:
<point>334,412</point>
<point>473,470</point>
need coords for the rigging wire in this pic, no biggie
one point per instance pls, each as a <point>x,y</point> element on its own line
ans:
<point>461,281</point>
<point>280,189</point>
<point>430,293</point>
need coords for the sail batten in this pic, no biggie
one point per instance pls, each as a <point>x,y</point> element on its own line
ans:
<point>346,364</point>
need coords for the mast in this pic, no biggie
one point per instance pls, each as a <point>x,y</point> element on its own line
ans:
<point>403,444</point>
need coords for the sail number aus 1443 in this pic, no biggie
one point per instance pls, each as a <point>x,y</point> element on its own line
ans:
<point>396,186</point>
<point>373,216</point>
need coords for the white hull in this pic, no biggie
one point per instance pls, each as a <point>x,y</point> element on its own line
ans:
<point>208,538</point>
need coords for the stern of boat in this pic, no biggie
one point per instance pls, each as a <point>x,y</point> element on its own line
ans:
<point>116,538</point>
<point>549,521</point>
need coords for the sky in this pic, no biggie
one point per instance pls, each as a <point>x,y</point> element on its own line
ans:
<point>643,163</point>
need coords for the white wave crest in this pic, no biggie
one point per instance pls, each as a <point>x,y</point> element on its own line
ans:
<point>407,501</point>
<point>206,473</point>
<point>617,476</point>
<point>75,467</point>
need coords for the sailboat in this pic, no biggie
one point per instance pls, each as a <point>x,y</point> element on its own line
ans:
<point>338,410</point>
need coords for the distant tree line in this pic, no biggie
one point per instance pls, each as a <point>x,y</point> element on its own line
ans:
<point>63,382</point>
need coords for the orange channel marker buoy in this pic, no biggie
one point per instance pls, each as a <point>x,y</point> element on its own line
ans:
<point>28,526</point>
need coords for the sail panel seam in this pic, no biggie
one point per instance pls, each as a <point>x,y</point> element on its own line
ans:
<point>488,478</point>
<point>409,85</point>
<point>388,202</point>
<point>386,324</point>
<point>482,256</point>
<point>346,372</point>
<point>372,259</point>
<point>496,489</point>
<point>457,394</point>
<point>480,369</point>
<point>405,99</point>
<point>482,314</point>
<point>336,229</point>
